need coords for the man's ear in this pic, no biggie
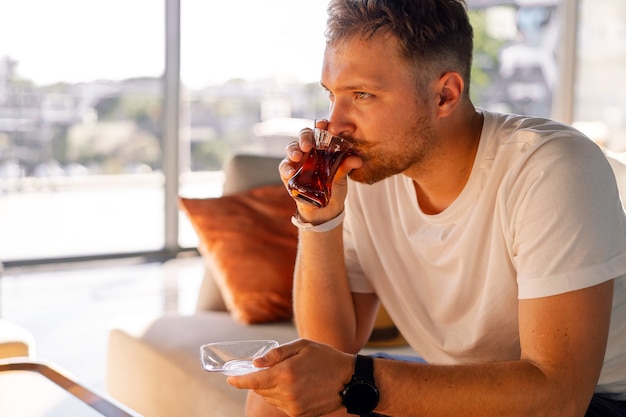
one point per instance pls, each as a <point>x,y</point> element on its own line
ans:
<point>451,86</point>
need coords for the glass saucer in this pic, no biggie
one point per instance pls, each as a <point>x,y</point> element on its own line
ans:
<point>234,358</point>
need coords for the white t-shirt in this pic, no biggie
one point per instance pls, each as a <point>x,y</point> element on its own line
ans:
<point>539,216</point>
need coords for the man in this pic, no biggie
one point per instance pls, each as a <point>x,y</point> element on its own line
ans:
<point>496,242</point>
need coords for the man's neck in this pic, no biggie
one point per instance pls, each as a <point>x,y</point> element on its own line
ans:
<point>450,166</point>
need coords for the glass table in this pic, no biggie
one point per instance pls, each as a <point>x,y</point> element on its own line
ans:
<point>35,389</point>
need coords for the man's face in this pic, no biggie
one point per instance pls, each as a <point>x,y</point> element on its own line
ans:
<point>375,103</point>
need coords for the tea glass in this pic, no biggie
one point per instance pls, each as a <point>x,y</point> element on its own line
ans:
<point>312,183</point>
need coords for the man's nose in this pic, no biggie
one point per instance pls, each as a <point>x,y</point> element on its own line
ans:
<point>339,121</point>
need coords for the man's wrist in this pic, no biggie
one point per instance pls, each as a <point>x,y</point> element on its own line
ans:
<point>319,228</point>
<point>360,396</point>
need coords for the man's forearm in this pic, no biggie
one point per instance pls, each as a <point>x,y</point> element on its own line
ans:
<point>322,299</point>
<point>515,388</point>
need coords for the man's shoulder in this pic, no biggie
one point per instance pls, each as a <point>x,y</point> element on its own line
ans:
<point>512,128</point>
<point>512,137</point>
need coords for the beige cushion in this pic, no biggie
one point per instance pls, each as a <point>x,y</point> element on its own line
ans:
<point>245,172</point>
<point>209,294</point>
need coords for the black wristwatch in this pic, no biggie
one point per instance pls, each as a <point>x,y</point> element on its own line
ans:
<point>360,396</point>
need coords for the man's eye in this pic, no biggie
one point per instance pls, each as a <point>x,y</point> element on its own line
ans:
<point>361,95</point>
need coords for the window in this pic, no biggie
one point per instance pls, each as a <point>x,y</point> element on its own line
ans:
<point>80,151</point>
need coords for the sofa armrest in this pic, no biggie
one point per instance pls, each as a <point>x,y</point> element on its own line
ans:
<point>15,340</point>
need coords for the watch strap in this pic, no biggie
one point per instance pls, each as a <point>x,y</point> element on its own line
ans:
<point>364,367</point>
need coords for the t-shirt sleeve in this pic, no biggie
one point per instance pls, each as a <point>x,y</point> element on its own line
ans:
<point>565,219</point>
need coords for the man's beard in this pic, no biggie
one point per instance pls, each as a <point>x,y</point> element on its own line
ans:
<point>412,150</point>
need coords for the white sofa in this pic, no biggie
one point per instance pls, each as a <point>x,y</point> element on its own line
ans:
<point>153,363</point>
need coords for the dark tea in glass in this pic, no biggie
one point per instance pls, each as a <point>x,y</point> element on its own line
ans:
<point>312,183</point>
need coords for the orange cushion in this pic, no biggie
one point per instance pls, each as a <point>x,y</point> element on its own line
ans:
<point>250,241</point>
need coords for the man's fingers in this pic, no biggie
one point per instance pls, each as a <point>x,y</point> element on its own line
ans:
<point>278,354</point>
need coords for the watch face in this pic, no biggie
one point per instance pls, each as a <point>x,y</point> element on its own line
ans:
<point>360,397</point>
